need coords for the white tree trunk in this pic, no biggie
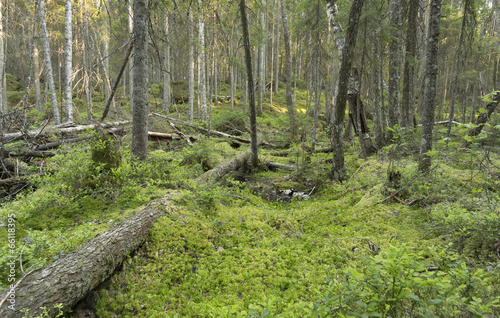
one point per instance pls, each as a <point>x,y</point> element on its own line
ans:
<point>68,62</point>
<point>202,93</point>
<point>48,63</point>
<point>3,91</point>
<point>140,97</point>
<point>191,66</point>
<point>131,65</point>
<point>38,96</point>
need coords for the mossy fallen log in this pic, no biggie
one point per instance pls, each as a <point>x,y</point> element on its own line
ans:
<point>224,168</point>
<point>70,279</point>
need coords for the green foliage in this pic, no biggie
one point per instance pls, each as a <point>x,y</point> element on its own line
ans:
<point>400,283</point>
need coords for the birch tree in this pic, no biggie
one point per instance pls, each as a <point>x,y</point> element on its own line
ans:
<point>68,62</point>
<point>202,91</point>
<point>3,91</point>
<point>191,65</point>
<point>48,63</point>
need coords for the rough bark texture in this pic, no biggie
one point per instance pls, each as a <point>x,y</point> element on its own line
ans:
<point>338,168</point>
<point>227,166</point>
<point>38,95</point>
<point>140,97</point>
<point>378,123</point>
<point>191,66</point>
<point>48,63</point>
<point>335,27</point>
<point>288,70</point>
<point>431,71</point>
<point>394,63</point>
<point>69,279</point>
<point>68,62</point>
<point>251,92</point>
<point>409,70</point>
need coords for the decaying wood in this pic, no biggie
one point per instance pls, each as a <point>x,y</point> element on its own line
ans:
<point>482,119</point>
<point>64,129</point>
<point>214,132</point>
<point>407,203</point>
<point>157,136</point>
<point>19,179</point>
<point>276,165</point>
<point>70,279</point>
<point>224,168</point>
<point>179,132</point>
<point>284,153</point>
<point>30,153</point>
<point>55,144</point>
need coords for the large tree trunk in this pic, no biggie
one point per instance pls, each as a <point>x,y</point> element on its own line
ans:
<point>288,70</point>
<point>140,98</point>
<point>409,70</point>
<point>68,62</point>
<point>378,123</point>
<point>394,64</point>
<point>48,63</point>
<point>251,92</point>
<point>338,168</point>
<point>431,71</point>
<point>191,66</point>
<point>69,279</point>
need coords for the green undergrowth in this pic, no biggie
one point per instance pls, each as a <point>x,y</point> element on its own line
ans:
<point>348,252</point>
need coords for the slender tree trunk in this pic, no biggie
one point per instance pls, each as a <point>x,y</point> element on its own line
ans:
<point>317,85</point>
<point>338,168</point>
<point>131,65</point>
<point>458,68</point>
<point>38,96</point>
<point>262,60</point>
<point>3,91</point>
<point>430,87</point>
<point>48,63</point>
<point>248,60</point>
<point>68,62</point>
<point>272,61</point>
<point>140,97</point>
<point>409,68</point>
<point>87,68</point>
<point>394,64</point>
<point>276,75</point>
<point>202,92</point>
<point>288,66</point>
<point>378,124</point>
<point>191,66</point>
<point>167,90</point>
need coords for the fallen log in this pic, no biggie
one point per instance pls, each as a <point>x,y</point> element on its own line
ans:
<point>30,153</point>
<point>224,168</point>
<point>482,119</point>
<point>55,144</point>
<point>64,129</point>
<point>70,279</point>
<point>19,179</point>
<point>157,136</point>
<point>276,165</point>
<point>285,153</point>
<point>214,132</point>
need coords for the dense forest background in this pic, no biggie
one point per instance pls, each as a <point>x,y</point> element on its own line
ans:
<point>250,158</point>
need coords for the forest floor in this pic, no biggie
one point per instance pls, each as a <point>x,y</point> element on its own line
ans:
<point>417,245</point>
